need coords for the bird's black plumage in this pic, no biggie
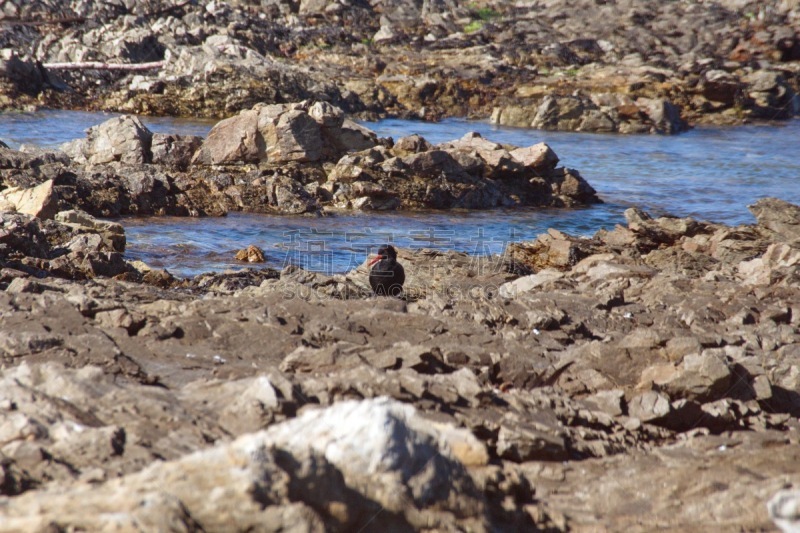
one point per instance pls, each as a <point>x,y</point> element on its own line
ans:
<point>387,275</point>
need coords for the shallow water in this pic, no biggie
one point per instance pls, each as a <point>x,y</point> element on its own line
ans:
<point>708,173</point>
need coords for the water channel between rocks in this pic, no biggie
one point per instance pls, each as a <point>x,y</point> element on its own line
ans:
<point>708,173</point>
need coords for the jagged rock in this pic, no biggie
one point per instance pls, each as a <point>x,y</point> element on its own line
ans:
<point>649,406</point>
<point>702,377</point>
<point>283,133</point>
<point>528,283</point>
<point>772,96</point>
<point>778,216</point>
<point>124,139</point>
<point>112,233</point>
<point>251,254</point>
<point>174,151</point>
<point>391,454</point>
<point>408,472</point>
<point>472,172</point>
<point>39,201</point>
<point>554,249</point>
<point>72,251</point>
<point>538,157</point>
<point>779,263</point>
<point>524,442</point>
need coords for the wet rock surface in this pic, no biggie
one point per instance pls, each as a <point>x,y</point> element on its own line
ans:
<point>646,377</point>
<point>611,66</point>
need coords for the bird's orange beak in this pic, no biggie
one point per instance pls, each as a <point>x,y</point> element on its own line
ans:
<point>373,261</point>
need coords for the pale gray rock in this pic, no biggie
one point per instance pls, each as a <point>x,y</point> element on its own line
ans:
<point>784,510</point>
<point>528,283</point>
<point>111,233</point>
<point>649,406</point>
<point>123,139</point>
<point>390,453</point>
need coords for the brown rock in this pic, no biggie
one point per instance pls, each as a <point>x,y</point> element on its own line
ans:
<point>251,254</point>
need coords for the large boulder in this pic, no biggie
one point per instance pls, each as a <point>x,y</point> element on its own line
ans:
<point>123,139</point>
<point>282,133</point>
<point>372,464</point>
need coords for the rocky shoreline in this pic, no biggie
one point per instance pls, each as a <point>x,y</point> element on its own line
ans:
<point>602,66</point>
<point>644,378</point>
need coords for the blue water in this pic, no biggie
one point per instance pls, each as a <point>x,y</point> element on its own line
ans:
<point>50,128</point>
<point>708,173</point>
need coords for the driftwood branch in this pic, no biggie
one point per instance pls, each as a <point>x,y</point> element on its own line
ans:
<point>99,65</point>
<point>38,22</point>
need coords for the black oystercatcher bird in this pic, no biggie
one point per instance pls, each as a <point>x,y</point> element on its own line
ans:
<point>386,277</point>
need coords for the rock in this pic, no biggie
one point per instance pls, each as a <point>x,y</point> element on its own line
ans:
<point>524,442</point>
<point>112,233</point>
<point>772,96</point>
<point>293,136</point>
<point>598,112</point>
<point>702,377</point>
<point>665,116</point>
<point>174,151</point>
<point>649,406</point>
<point>528,283</point>
<point>784,510</point>
<point>778,216</point>
<point>124,139</point>
<point>40,201</point>
<point>554,250</point>
<point>251,254</point>
<point>539,157</point>
<point>471,172</point>
<point>411,144</point>
<point>76,252</point>
<point>609,401</point>
<point>283,133</point>
<point>778,264</point>
<point>230,140</point>
<point>179,492</point>
<point>388,452</point>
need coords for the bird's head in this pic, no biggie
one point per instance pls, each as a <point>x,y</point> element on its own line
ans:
<point>386,251</point>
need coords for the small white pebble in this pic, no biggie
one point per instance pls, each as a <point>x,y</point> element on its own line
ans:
<point>536,331</point>
<point>191,356</point>
<point>722,448</point>
<point>219,360</point>
<point>628,315</point>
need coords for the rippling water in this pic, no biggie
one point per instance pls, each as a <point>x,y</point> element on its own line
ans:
<point>708,173</point>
